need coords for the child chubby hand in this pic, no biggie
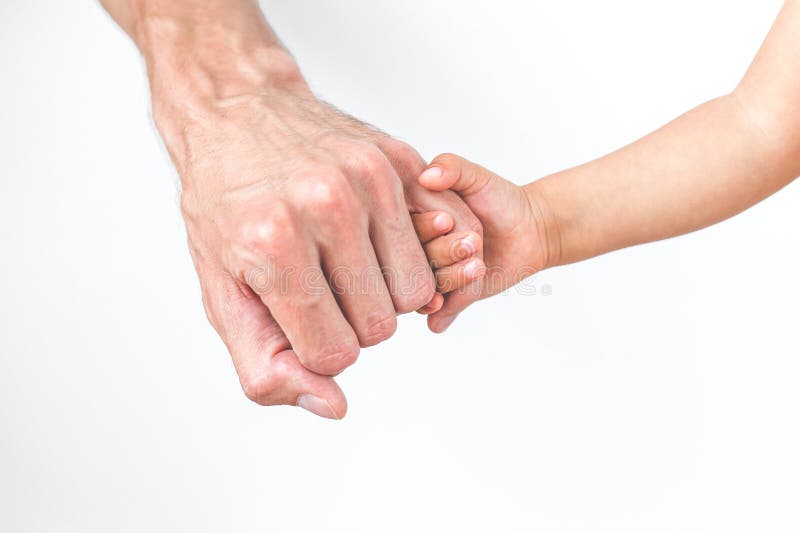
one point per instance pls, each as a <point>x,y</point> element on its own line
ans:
<point>705,166</point>
<point>454,256</point>
<point>515,244</point>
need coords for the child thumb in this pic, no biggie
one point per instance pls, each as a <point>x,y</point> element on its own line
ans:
<point>449,171</point>
<point>477,186</point>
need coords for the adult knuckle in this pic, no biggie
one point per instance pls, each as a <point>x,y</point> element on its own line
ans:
<point>371,170</point>
<point>379,328</point>
<point>260,239</point>
<point>405,155</point>
<point>368,161</point>
<point>420,293</point>
<point>330,192</point>
<point>337,357</point>
<point>260,388</point>
<point>266,232</point>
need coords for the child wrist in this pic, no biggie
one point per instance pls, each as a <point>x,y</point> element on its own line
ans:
<point>545,224</point>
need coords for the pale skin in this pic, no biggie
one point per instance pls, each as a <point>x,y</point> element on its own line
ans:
<point>704,167</point>
<point>279,185</point>
<point>268,171</point>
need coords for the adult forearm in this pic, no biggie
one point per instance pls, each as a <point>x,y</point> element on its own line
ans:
<point>202,57</point>
<point>221,48</point>
<point>240,16</point>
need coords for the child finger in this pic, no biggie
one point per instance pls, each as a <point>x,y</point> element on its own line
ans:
<point>432,224</point>
<point>433,306</point>
<point>459,275</point>
<point>452,248</point>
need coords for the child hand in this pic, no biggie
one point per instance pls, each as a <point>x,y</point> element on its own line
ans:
<point>514,240</point>
<point>451,255</point>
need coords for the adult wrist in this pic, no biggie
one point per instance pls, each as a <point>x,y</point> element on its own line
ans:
<point>213,61</point>
<point>200,65</point>
<point>205,52</point>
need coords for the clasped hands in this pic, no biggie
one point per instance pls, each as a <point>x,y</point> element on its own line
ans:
<point>310,231</point>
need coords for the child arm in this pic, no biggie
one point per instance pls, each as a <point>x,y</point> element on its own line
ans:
<point>706,166</point>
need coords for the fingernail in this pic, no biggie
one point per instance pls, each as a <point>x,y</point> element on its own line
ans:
<point>441,222</point>
<point>472,269</point>
<point>468,246</point>
<point>315,405</point>
<point>432,174</point>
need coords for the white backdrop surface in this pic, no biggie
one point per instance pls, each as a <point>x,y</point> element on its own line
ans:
<point>655,389</point>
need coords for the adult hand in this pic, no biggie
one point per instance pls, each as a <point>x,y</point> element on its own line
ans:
<point>282,193</point>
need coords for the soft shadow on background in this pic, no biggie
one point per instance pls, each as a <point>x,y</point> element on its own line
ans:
<point>654,390</point>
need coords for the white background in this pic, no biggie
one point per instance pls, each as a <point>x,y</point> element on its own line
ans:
<point>654,390</point>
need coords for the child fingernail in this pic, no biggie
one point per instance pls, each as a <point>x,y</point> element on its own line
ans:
<point>441,222</point>
<point>467,247</point>
<point>472,269</point>
<point>432,174</point>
